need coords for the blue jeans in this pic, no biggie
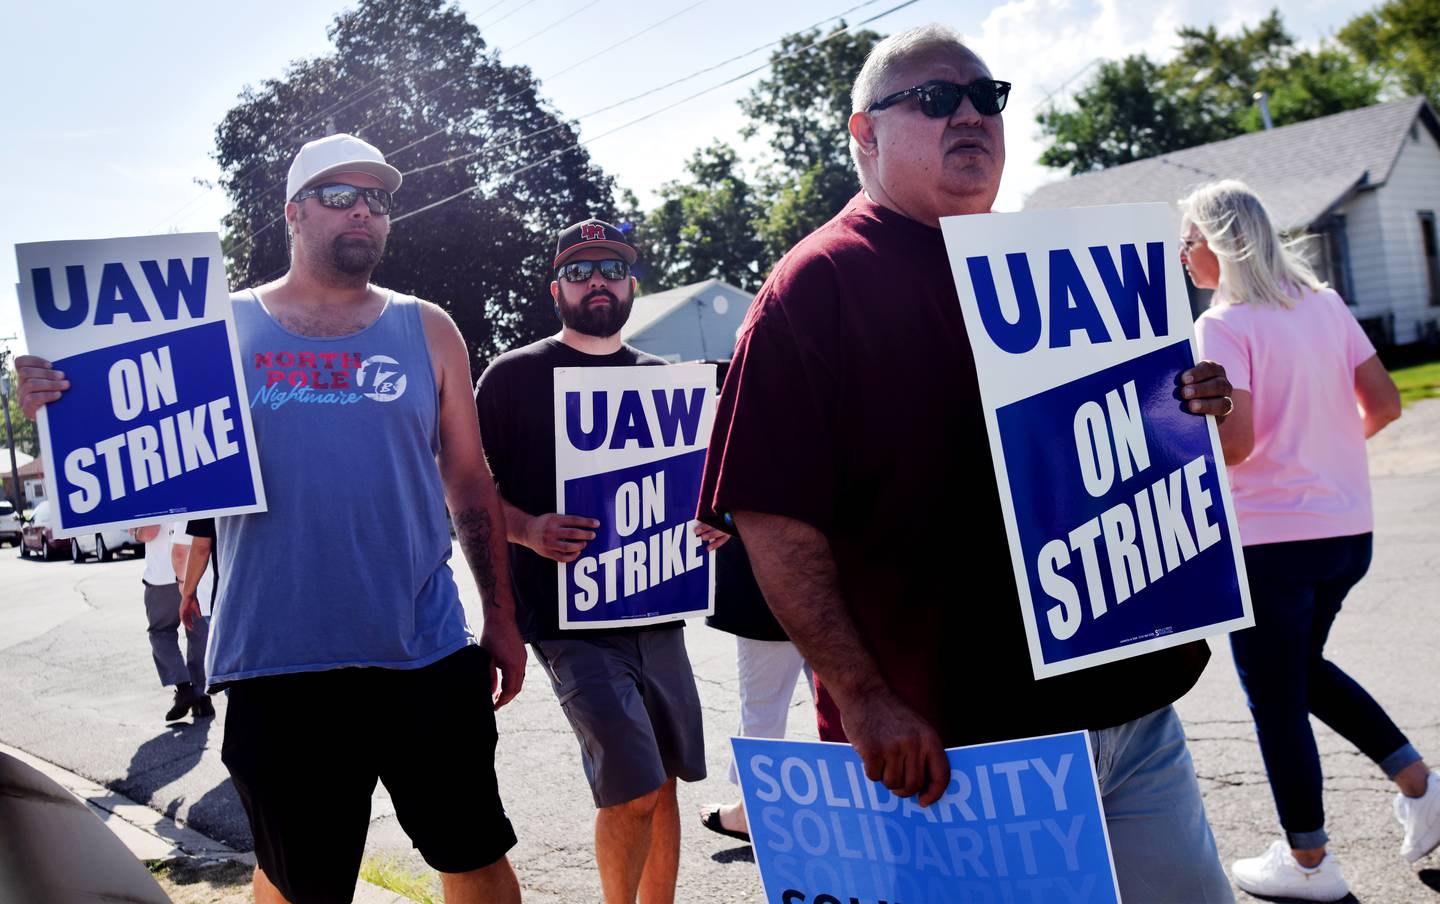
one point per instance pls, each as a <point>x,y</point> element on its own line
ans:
<point>1164,851</point>
<point>1296,589</point>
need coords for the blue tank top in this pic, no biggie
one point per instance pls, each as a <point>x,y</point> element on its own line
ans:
<point>349,566</point>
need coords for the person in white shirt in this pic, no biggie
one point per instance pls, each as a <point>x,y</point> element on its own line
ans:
<point>167,548</point>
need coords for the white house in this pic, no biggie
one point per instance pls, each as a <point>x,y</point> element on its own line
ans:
<point>1365,182</point>
<point>697,322</point>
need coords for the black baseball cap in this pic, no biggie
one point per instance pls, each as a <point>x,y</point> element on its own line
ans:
<point>592,233</point>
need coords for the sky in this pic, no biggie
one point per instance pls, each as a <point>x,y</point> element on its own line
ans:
<point>108,110</point>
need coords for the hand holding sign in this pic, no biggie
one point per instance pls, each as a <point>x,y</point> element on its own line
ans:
<point>560,537</point>
<point>900,750</point>
<point>1207,390</point>
<point>40,384</point>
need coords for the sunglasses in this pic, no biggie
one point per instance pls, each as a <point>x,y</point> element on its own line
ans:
<point>579,271</point>
<point>339,196</point>
<point>939,99</point>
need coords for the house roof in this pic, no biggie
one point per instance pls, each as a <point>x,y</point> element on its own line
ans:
<point>1302,171</point>
<point>650,309</point>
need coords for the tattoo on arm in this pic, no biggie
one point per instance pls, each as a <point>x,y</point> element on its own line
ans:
<point>476,533</point>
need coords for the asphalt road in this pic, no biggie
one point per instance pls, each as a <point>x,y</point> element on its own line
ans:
<point>77,688</point>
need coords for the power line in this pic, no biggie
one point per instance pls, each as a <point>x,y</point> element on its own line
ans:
<point>579,144</point>
<point>554,75</point>
<point>533,35</point>
<point>249,239</point>
<point>493,22</point>
<point>670,84</point>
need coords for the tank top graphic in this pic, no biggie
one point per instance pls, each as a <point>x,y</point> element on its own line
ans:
<point>350,565</point>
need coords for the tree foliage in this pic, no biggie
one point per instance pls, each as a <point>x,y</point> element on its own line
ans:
<point>416,79</point>
<point>719,221</point>
<point>1401,39</point>
<point>705,226</point>
<point>803,107</point>
<point>1138,108</point>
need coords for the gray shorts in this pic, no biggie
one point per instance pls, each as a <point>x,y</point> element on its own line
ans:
<point>632,702</point>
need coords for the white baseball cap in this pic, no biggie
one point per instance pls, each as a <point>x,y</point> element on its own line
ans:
<point>339,153</point>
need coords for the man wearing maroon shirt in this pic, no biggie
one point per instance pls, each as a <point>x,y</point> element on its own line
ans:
<point>850,452</point>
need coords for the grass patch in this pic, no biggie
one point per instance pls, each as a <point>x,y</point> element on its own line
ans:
<point>1421,381</point>
<point>194,881</point>
<point>401,879</point>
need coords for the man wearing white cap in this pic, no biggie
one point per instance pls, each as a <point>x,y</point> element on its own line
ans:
<point>338,604</point>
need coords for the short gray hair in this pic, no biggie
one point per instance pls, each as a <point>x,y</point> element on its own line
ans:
<point>894,53</point>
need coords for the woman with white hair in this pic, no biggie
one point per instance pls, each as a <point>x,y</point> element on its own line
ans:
<point>1295,449</point>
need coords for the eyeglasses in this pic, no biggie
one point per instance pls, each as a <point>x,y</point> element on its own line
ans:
<point>339,196</point>
<point>579,271</point>
<point>939,99</point>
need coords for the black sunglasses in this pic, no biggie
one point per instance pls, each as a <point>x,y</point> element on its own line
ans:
<point>939,99</point>
<point>579,271</point>
<point>339,196</point>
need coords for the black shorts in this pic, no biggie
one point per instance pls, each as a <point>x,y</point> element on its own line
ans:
<point>305,750</point>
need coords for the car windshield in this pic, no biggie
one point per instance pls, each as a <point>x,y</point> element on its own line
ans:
<point>6,508</point>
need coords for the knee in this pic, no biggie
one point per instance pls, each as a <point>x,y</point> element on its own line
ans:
<point>642,807</point>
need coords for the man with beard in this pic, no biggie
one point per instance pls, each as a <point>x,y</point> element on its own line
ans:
<point>629,693</point>
<point>338,602</point>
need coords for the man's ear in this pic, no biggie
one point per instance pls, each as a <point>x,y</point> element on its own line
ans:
<point>555,290</point>
<point>862,129</point>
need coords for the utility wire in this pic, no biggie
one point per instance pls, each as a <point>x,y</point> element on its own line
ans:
<point>249,239</point>
<point>579,144</point>
<point>554,75</point>
<point>670,84</point>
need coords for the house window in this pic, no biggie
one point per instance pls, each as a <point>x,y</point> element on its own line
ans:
<point>1432,255</point>
<point>1330,255</point>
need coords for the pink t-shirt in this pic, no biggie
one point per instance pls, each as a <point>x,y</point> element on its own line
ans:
<point>1307,477</point>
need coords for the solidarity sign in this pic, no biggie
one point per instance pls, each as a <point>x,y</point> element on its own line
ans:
<point>1019,821</point>
<point>153,426</point>
<point>1122,533</point>
<point>629,451</point>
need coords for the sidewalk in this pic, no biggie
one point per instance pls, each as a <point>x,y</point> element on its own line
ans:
<point>151,836</point>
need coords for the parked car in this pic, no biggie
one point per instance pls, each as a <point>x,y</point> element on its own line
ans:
<point>11,524</point>
<point>103,545</point>
<point>37,537</point>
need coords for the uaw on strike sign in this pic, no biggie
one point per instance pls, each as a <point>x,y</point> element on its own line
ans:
<point>629,452</point>
<point>1122,533</point>
<point>153,426</point>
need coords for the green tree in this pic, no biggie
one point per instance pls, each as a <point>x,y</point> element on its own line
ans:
<point>803,107</point>
<point>416,79</point>
<point>1401,39</point>
<point>1138,108</point>
<point>705,226</point>
<point>1124,113</point>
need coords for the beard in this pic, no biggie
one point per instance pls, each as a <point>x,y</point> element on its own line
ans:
<point>593,320</point>
<point>354,256</point>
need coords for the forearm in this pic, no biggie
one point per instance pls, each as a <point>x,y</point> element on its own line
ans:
<point>517,522</point>
<point>179,558</point>
<point>1375,421</point>
<point>796,570</point>
<point>478,513</point>
<point>195,565</point>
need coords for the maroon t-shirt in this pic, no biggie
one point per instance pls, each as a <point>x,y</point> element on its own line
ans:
<point>852,405</point>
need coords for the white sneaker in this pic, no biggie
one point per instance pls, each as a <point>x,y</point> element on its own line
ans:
<point>1421,818</point>
<point>1276,874</point>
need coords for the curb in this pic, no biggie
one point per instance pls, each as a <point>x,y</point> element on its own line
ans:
<point>150,835</point>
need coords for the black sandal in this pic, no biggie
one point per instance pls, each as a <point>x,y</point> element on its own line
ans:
<point>711,821</point>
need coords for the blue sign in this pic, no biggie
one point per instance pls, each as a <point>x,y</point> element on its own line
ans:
<point>1117,509</point>
<point>629,452</point>
<point>1019,821</point>
<point>154,425</point>
<point>152,430</point>
<point>1120,514</point>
